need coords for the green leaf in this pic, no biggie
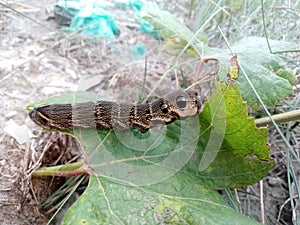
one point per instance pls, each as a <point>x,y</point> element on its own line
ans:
<point>234,153</point>
<point>177,35</point>
<point>266,71</point>
<point>165,24</point>
<point>167,162</point>
<point>178,200</point>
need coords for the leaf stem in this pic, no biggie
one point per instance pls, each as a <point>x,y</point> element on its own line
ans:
<point>279,118</point>
<point>67,170</point>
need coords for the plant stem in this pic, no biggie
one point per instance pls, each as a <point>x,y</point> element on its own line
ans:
<point>279,118</point>
<point>67,170</point>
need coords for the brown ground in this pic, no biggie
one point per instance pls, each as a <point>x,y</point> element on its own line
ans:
<point>36,63</point>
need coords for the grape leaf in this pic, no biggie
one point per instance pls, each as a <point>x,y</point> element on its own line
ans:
<point>166,164</point>
<point>242,158</point>
<point>222,134</point>
<point>266,71</point>
<point>178,200</point>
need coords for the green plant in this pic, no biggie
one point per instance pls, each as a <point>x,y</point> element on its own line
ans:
<point>185,195</point>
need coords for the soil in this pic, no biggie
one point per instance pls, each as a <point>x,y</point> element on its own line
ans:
<point>38,61</point>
